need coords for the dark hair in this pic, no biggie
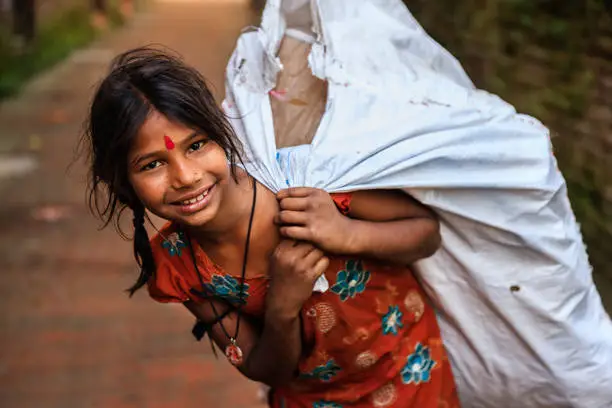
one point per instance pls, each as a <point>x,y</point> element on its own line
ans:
<point>140,81</point>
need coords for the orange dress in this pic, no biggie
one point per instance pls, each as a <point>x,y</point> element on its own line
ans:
<point>373,339</point>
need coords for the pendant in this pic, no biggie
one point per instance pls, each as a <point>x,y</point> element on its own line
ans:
<point>234,353</point>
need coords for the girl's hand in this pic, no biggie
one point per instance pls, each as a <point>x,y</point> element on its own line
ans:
<point>309,214</point>
<point>271,353</point>
<point>295,267</point>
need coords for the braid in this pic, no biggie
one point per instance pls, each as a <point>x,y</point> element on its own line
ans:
<point>142,250</point>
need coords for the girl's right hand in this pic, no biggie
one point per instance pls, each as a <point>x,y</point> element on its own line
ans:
<point>295,267</point>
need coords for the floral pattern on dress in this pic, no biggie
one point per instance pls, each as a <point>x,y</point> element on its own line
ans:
<point>392,321</point>
<point>174,243</point>
<point>228,288</point>
<point>415,306</point>
<point>384,396</point>
<point>418,366</point>
<point>323,372</point>
<point>326,404</point>
<point>351,280</point>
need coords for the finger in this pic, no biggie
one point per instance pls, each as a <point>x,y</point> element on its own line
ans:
<point>320,267</point>
<point>298,233</point>
<point>294,203</point>
<point>303,247</point>
<point>294,192</point>
<point>285,245</point>
<point>291,217</point>
<point>289,250</point>
<point>314,256</point>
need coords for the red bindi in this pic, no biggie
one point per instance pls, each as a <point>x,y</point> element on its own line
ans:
<point>169,143</point>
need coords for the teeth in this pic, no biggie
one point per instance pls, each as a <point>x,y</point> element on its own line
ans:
<point>195,200</point>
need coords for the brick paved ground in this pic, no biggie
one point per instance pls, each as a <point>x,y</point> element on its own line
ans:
<point>69,337</point>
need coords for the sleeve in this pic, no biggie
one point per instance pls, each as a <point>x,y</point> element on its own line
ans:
<point>168,285</point>
<point>343,202</point>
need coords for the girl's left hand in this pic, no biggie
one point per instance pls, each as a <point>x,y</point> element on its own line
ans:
<point>309,214</point>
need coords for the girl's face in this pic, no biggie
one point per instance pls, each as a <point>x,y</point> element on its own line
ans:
<point>178,174</point>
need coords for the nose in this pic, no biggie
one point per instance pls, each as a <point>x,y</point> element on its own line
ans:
<point>184,174</point>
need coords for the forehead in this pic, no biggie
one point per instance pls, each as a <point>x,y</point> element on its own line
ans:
<point>156,126</point>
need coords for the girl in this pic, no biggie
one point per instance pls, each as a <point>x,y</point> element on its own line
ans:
<point>244,260</point>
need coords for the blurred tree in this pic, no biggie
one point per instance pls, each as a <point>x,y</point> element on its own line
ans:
<point>24,20</point>
<point>99,5</point>
<point>99,17</point>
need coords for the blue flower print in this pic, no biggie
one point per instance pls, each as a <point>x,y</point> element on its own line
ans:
<point>326,404</point>
<point>174,243</point>
<point>324,372</point>
<point>228,287</point>
<point>392,320</point>
<point>351,280</point>
<point>418,366</point>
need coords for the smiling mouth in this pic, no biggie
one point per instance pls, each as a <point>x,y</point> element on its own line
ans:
<point>197,199</point>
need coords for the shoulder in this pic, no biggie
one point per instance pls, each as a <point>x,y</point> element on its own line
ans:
<point>172,279</point>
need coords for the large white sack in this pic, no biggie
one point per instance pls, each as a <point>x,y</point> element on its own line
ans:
<point>519,313</point>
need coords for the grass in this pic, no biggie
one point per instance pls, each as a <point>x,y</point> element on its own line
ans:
<point>54,42</point>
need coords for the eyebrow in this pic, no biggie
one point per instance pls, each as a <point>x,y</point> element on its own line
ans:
<point>144,157</point>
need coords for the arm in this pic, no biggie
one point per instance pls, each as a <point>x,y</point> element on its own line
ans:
<point>271,352</point>
<point>386,225</point>
<point>391,226</point>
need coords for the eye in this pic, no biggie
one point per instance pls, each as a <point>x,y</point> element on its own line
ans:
<point>197,145</point>
<point>150,166</point>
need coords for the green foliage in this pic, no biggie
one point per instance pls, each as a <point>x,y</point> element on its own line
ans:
<point>54,42</point>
